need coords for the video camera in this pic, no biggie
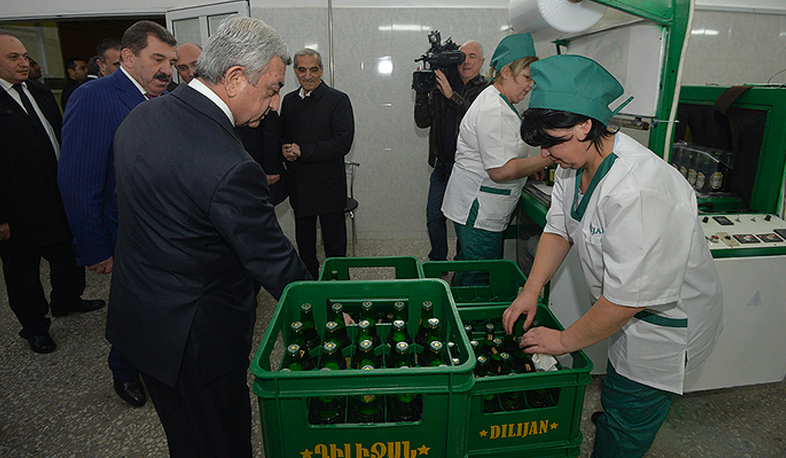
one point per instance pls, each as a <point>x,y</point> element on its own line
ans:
<point>439,57</point>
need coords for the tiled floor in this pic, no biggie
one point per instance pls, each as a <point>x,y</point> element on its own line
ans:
<point>63,404</point>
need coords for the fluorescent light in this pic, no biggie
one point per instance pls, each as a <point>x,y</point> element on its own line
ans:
<point>385,66</point>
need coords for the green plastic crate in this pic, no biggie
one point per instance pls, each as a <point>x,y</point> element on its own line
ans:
<point>504,280</point>
<point>404,267</point>
<point>547,431</point>
<point>283,396</point>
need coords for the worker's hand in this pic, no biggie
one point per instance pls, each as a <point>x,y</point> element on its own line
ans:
<point>443,85</point>
<point>272,179</point>
<point>103,267</point>
<point>541,339</point>
<point>5,231</point>
<point>522,305</point>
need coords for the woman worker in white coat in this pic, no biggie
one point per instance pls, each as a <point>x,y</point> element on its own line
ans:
<point>492,161</point>
<point>633,221</point>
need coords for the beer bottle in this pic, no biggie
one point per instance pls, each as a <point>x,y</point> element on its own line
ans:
<point>337,312</point>
<point>366,331</point>
<point>405,407</point>
<point>511,400</point>
<point>487,346</point>
<point>337,333</point>
<point>398,333</point>
<point>366,408</point>
<point>434,334</point>
<point>520,362</point>
<point>400,311</point>
<point>453,350</point>
<point>292,359</point>
<point>367,312</point>
<point>434,356</point>
<point>426,312</point>
<point>334,275</point>
<point>481,366</point>
<point>364,356</point>
<point>538,398</point>
<point>491,403</point>
<point>468,330</point>
<point>400,356</point>
<point>296,334</point>
<point>309,327</point>
<point>327,410</point>
<point>332,359</point>
<point>475,346</point>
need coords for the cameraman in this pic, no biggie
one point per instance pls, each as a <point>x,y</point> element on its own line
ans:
<point>442,112</point>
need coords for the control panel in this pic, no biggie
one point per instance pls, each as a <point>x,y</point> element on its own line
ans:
<point>744,231</point>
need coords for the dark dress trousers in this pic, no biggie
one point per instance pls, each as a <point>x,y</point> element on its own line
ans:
<point>196,230</point>
<point>30,203</point>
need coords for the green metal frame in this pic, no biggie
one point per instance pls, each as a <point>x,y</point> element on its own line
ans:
<point>767,194</point>
<point>673,16</point>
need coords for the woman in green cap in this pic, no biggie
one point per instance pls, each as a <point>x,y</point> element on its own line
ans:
<point>633,221</point>
<point>492,161</point>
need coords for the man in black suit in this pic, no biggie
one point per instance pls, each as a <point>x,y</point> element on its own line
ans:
<point>196,232</point>
<point>317,132</point>
<point>76,74</point>
<point>32,220</point>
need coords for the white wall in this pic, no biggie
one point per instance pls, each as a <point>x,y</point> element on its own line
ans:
<point>726,48</point>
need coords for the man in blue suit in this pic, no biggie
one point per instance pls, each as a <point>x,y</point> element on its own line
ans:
<point>86,172</point>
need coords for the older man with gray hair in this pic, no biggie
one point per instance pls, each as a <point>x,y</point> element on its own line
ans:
<point>196,233</point>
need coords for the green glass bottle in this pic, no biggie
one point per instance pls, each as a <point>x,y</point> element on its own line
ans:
<point>367,331</point>
<point>426,312</point>
<point>434,331</point>
<point>309,327</point>
<point>366,408</point>
<point>400,356</point>
<point>520,362</point>
<point>481,366</point>
<point>296,334</point>
<point>434,356</point>
<point>400,311</point>
<point>334,275</point>
<point>487,346</point>
<point>367,312</point>
<point>331,359</point>
<point>292,361</point>
<point>511,400</point>
<point>405,407</point>
<point>398,333</point>
<point>326,410</point>
<point>468,330</point>
<point>364,355</point>
<point>337,333</point>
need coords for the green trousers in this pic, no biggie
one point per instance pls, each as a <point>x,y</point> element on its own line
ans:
<point>632,416</point>
<point>476,244</point>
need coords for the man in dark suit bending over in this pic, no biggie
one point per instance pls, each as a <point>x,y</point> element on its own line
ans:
<point>196,231</point>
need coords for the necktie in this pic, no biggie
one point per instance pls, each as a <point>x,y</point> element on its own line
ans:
<point>39,126</point>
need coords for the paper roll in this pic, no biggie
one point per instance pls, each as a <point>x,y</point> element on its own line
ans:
<point>552,19</point>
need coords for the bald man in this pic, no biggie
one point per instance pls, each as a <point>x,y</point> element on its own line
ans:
<point>187,55</point>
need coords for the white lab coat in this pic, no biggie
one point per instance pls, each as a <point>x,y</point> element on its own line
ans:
<point>640,245</point>
<point>488,138</point>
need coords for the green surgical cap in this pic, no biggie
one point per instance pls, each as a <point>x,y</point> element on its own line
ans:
<point>511,48</point>
<point>575,84</point>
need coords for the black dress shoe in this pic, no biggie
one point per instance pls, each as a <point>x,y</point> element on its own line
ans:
<point>131,391</point>
<point>42,343</point>
<point>81,307</point>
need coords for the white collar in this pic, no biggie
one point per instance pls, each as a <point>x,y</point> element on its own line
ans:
<point>202,88</point>
<point>136,83</point>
